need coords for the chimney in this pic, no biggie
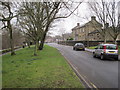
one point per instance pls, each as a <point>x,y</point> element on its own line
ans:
<point>78,24</point>
<point>93,18</point>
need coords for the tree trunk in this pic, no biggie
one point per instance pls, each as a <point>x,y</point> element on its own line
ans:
<point>115,41</point>
<point>42,42</point>
<point>35,49</point>
<point>28,44</point>
<point>38,44</point>
<point>105,40</point>
<point>11,38</point>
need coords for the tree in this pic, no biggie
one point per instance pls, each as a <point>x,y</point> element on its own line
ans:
<point>6,17</point>
<point>52,13</point>
<point>113,17</point>
<point>107,14</point>
<point>38,18</point>
<point>99,9</point>
<point>31,21</point>
<point>18,38</point>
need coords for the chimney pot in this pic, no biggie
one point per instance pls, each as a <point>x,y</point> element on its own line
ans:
<point>78,24</point>
<point>93,18</point>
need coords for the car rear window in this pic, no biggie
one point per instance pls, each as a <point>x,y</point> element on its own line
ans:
<point>111,47</point>
<point>79,44</point>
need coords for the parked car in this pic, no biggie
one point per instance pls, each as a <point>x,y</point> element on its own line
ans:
<point>79,46</point>
<point>105,51</point>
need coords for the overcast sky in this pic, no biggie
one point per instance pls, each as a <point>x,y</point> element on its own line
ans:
<point>84,15</point>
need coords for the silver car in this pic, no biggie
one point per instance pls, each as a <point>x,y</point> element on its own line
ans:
<point>106,51</point>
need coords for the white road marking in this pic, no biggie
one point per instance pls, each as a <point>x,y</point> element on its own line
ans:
<point>78,72</point>
<point>82,77</point>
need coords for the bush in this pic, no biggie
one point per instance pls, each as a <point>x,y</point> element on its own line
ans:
<point>69,39</point>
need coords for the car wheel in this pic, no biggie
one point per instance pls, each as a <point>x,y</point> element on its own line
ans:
<point>94,55</point>
<point>102,57</point>
<point>116,58</point>
<point>75,49</point>
<point>83,49</point>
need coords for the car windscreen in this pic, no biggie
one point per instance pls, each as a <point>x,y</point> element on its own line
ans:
<point>79,44</point>
<point>111,47</point>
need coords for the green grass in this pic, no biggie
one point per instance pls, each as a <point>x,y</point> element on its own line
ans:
<point>47,70</point>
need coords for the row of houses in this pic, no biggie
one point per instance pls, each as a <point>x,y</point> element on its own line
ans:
<point>89,31</point>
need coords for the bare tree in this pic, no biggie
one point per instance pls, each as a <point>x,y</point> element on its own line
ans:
<point>35,18</point>
<point>31,20</point>
<point>52,13</point>
<point>99,9</point>
<point>6,17</point>
<point>107,13</point>
<point>18,38</point>
<point>113,19</point>
<point>38,17</point>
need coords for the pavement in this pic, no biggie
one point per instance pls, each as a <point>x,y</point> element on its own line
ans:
<point>1,54</point>
<point>90,50</point>
<point>95,73</point>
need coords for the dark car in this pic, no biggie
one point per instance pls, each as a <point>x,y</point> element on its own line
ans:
<point>79,46</point>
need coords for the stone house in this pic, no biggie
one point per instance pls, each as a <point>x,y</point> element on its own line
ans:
<point>88,31</point>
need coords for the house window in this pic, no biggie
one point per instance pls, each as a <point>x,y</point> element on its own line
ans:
<point>83,30</point>
<point>89,31</point>
<point>80,30</point>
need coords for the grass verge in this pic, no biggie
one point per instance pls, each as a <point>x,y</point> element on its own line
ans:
<point>93,47</point>
<point>47,70</point>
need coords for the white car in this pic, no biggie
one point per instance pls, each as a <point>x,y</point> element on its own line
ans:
<point>106,51</point>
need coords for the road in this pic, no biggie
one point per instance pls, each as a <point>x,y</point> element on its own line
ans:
<point>98,73</point>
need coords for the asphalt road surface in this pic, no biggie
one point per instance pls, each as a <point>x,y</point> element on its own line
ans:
<point>99,73</point>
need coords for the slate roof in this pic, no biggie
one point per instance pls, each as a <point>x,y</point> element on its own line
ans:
<point>77,27</point>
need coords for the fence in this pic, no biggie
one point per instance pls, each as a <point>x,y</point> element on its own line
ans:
<point>86,43</point>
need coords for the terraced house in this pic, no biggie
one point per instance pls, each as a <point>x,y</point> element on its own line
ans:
<point>90,31</point>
